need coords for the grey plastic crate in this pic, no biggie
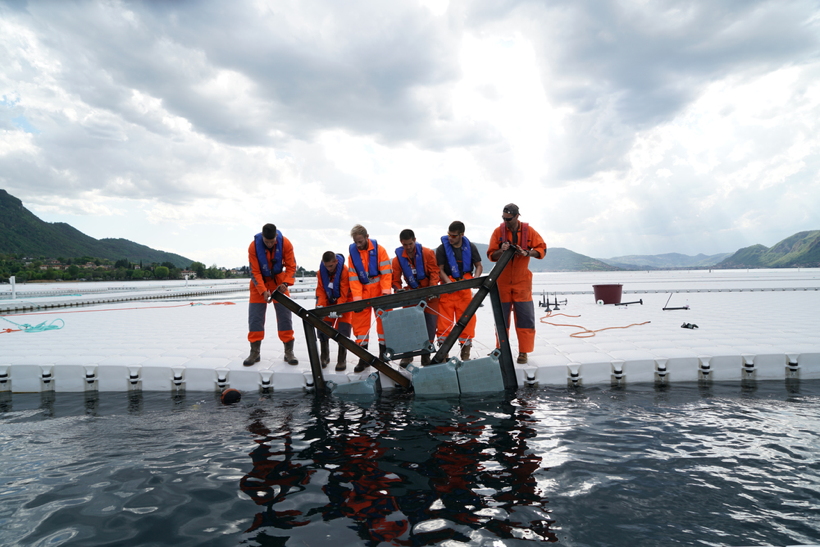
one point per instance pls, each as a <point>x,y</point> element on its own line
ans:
<point>433,380</point>
<point>369,386</point>
<point>481,375</point>
<point>404,329</point>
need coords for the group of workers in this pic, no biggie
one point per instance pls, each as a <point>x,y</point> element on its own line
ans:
<point>368,272</point>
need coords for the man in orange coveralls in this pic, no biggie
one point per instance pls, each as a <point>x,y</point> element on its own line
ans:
<point>515,282</point>
<point>370,275</point>
<point>458,259</point>
<point>418,266</point>
<point>333,287</point>
<point>272,268</point>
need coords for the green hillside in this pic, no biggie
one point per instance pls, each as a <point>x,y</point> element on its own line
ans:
<point>23,233</point>
<point>800,250</point>
<point>557,260</point>
<point>667,261</point>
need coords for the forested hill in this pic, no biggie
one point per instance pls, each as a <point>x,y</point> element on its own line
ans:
<point>22,232</point>
<point>557,260</point>
<point>800,250</point>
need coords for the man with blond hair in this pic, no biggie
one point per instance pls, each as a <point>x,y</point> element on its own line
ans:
<point>369,275</point>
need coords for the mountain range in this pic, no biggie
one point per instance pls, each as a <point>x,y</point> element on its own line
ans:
<point>22,232</point>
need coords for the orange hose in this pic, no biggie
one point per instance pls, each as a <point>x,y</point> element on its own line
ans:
<point>584,332</point>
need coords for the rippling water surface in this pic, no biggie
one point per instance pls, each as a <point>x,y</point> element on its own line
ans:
<point>690,465</point>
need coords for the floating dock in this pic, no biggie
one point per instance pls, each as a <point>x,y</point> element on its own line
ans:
<point>750,326</point>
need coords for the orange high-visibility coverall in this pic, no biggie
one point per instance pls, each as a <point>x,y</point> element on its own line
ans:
<point>376,286</point>
<point>431,279</point>
<point>259,284</point>
<point>343,323</point>
<point>515,283</point>
<point>452,305</point>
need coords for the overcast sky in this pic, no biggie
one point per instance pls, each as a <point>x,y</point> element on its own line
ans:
<point>633,127</point>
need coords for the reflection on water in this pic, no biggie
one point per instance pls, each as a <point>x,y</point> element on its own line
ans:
<point>406,473</point>
<point>710,464</point>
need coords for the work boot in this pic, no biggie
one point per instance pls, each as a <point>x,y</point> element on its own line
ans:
<point>465,352</point>
<point>325,350</point>
<point>425,359</point>
<point>383,352</point>
<point>522,358</point>
<point>290,358</point>
<point>362,364</point>
<point>406,361</point>
<point>341,359</point>
<point>254,355</point>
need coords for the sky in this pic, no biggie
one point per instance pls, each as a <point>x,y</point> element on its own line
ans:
<point>619,128</point>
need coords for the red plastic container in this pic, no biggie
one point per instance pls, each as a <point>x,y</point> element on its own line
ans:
<point>608,294</point>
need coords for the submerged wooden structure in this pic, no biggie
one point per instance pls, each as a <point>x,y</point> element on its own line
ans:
<point>486,285</point>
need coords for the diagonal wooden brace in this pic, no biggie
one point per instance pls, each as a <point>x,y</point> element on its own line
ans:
<point>316,322</point>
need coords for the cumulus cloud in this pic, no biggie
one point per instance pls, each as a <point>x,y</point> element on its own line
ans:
<point>620,128</point>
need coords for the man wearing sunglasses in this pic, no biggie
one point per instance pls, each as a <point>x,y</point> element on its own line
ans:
<point>515,282</point>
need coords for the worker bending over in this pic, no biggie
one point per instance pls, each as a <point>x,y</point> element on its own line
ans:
<point>370,275</point>
<point>333,287</point>
<point>417,265</point>
<point>272,266</point>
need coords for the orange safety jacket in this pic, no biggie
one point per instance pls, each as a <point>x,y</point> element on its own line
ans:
<point>431,277</point>
<point>259,283</point>
<point>344,292</point>
<point>517,273</point>
<point>379,284</point>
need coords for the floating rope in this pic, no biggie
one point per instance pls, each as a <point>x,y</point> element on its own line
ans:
<point>123,309</point>
<point>584,332</point>
<point>42,327</point>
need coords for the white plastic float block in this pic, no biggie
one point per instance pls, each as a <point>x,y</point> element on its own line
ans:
<point>680,365</point>
<point>722,366</point>
<point>637,366</point>
<point>404,329</point>
<point>480,375</point>
<point>436,380</point>
<point>5,379</point>
<point>31,378</point>
<point>770,366</point>
<point>369,386</point>
<point>119,377</point>
<point>251,380</point>
<point>287,378</point>
<point>808,365</point>
<point>204,374</point>
<point>592,369</point>
<point>551,370</point>
<point>75,378</point>
<point>526,376</point>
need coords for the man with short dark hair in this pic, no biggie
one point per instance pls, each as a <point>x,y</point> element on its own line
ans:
<point>515,282</point>
<point>333,287</point>
<point>457,259</point>
<point>370,275</point>
<point>417,265</point>
<point>273,266</point>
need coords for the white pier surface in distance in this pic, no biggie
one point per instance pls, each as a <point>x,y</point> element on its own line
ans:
<point>752,325</point>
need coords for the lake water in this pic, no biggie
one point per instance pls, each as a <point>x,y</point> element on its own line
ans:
<point>733,464</point>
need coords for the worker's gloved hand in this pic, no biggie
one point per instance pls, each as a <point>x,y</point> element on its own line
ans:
<point>333,315</point>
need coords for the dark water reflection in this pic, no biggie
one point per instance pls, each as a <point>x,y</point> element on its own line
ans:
<point>399,470</point>
<point>686,464</point>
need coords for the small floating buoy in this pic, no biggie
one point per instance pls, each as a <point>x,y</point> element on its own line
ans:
<point>231,396</point>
